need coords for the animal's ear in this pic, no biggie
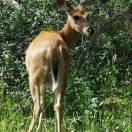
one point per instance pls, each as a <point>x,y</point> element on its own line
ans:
<point>64,5</point>
<point>85,4</point>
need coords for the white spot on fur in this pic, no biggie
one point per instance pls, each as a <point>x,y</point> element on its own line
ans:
<point>57,105</point>
<point>85,30</point>
<point>54,85</point>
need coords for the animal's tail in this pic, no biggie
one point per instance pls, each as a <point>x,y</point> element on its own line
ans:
<point>56,64</point>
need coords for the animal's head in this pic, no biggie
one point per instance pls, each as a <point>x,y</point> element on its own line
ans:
<point>79,16</point>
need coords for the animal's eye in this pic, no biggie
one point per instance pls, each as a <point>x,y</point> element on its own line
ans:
<point>76,18</point>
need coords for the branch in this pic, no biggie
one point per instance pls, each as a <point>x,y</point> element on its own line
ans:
<point>101,27</point>
<point>85,2</point>
<point>14,3</point>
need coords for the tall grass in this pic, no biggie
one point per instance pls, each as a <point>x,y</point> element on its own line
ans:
<point>110,114</point>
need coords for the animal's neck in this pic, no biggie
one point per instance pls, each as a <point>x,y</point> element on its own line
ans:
<point>70,35</point>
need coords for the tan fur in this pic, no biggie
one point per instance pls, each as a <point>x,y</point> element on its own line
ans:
<point>38,67</point>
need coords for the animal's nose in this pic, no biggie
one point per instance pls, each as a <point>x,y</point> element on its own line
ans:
<point>91,31</point>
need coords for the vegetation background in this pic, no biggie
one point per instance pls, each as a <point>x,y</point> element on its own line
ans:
<point>99,92</point>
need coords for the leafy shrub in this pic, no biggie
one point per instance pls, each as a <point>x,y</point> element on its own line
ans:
<point>100,81</point>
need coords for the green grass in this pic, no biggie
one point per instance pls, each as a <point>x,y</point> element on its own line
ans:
<point>111,115</point>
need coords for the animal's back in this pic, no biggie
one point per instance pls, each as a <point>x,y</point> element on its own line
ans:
<point>46,40</point>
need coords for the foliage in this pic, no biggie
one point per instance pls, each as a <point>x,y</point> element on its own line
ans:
<point>98,95</point>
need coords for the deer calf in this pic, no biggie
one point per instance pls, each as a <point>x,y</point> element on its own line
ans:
<point>47,61</point>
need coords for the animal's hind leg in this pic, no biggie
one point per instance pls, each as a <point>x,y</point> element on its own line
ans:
<point>42,103</point>
<point>35,92</point>
<point>57,109</point>
<point>43,93</point>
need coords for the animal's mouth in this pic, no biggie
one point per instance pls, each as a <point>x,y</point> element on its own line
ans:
<point>89,30</point>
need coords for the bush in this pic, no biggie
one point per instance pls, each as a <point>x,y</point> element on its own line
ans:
<point>98,91</point>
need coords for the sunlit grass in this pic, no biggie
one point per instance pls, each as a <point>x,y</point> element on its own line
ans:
<point>101,119</point>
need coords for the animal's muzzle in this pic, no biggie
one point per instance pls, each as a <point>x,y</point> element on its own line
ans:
<point>91,31</point>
